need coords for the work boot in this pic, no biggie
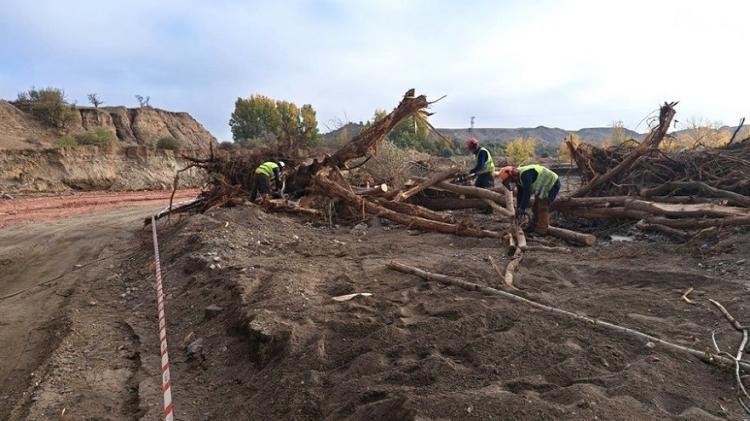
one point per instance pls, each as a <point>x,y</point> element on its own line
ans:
<point>542,216</point>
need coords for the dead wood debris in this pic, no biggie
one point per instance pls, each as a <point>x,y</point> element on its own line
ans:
<point>673,193</point>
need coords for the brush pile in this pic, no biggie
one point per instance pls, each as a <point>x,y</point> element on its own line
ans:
<point>678,194</point>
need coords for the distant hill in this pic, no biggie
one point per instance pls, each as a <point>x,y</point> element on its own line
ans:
<point>545,135</point>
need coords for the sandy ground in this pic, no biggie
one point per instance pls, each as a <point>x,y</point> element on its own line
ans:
<point>41,208</point>
<point>48,269</point>
<point>280,348</point>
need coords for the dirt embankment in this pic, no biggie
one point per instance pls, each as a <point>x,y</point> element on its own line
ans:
<point>132,126</point>
<point>92,168</point>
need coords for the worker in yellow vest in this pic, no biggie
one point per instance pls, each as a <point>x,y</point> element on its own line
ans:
<point>265,174</point>
<point>485,166</point>
<point>536,179</point>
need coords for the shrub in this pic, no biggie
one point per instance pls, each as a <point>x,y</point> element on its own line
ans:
<point>48,105</point>
<point>168,142</point>
<point>67,141</point>
<point>390,164</point>
<point>98,137</point>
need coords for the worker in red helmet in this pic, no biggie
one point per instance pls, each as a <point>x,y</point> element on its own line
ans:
<point>485,166</point>
<point>536,179</point>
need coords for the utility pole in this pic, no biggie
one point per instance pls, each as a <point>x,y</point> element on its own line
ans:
<point>471,128</point>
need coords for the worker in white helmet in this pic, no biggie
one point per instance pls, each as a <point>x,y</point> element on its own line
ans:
<point>267,173</point>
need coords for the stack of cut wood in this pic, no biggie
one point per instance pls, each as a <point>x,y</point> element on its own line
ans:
<point>671,193</point>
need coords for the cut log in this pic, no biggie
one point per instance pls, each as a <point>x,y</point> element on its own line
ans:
<point>548,249</point>
<point>704,188</point>
<point>563,203</point>
<point>703,355</point>
<point>502,212</point>
<point>693,223</point>
<point>572,236</point>
<point>517,241</point>
<point>585,202</point>
<point>376,191</point>
<point>685,210</point>
<point>430,181</point>
<point>607,213</point>
<point>330,188</point>
<point>476,192</point>
<point>449,203</point>
<point>283,205</point>
<point>673,233</point>
<point>652,141</point>
<point>416,210</point>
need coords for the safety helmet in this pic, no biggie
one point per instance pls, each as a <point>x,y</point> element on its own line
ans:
<point>282,164</point>
<point>472,144</point>
<point>506,172</point>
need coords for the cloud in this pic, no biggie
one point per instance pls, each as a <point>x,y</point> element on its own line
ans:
<point>567,64</point>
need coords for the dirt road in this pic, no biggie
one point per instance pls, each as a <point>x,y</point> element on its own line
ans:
<point>51,278</point>
<point>41,208</point>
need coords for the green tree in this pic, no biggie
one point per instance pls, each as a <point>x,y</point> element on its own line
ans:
<point>260,116</point>
<point>309,124</point>
<point>254,117</point>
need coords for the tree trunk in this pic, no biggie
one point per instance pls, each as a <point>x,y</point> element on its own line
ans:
<point>379,190</point>
<point>685,210</point>
<point>673,233</point>
<point>283,205</point>
<point>693,223</point>
<point>697,186</point>
<point>572,236</point>
<point>449,203</point>
<point>416,210</point>
<point>430,181</point>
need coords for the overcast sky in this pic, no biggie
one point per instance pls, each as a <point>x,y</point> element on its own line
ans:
<point>568,64</point>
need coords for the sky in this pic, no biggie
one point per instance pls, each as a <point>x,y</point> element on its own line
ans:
<point>568,64</point>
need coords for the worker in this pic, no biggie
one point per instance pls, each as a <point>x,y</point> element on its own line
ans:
<point>536,179</point>
<point>485,167</point>
<point>266,173</point>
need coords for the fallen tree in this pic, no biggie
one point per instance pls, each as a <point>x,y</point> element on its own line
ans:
<point>325,185</point>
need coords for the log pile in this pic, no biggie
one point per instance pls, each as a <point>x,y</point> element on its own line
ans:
<point>321,182</point>
<point>669,193</point>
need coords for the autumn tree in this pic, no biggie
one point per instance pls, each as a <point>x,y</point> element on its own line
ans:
<point>521,150</point>
<point>564,151</point>
<point>617,134</point>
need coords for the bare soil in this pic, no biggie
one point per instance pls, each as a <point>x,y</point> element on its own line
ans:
<point>281,348</point>
<point>41,208</point>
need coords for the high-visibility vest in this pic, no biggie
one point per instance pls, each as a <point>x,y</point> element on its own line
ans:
<point>489,166</point>
<point>267,168</point>
<point>545,179</point>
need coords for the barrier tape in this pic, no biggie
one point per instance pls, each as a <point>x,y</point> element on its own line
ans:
<point>166,382</point>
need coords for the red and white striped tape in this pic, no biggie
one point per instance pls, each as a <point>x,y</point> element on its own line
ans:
<point>166,381</point>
